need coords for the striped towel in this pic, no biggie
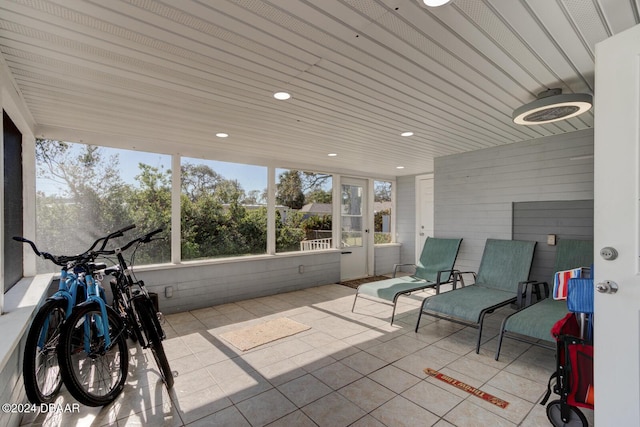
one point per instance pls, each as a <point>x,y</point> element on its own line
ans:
<point>561,278</point>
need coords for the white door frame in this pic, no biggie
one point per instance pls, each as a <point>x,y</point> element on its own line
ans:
<point>617,225</point>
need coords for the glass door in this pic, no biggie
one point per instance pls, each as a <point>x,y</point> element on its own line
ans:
<point>354,231</point>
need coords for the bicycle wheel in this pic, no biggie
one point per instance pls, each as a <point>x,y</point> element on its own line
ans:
<point>576,417</point>
<point>40,368</point>
<point>93,374</point>
<point>153,331</point>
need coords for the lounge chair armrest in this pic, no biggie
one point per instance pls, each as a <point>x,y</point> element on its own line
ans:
<point>526,290</point>
<point>459,276</point>
<point>395,268</point>
<point>451,277</point>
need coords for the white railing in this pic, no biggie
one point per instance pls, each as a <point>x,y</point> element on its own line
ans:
<point>315,244</point>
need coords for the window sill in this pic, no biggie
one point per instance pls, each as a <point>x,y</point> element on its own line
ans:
<point>229,260</point>
<point>20,302</point>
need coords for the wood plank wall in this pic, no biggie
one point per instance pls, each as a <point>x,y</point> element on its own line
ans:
<point>475,191</point>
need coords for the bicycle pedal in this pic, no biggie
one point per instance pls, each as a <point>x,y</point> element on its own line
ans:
<point>161,318</point>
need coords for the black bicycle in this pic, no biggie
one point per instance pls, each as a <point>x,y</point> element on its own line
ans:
<point>136,308</point>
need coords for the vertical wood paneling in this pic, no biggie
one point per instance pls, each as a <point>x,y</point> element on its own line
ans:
<point>474,191</point>
<point>565,219</point>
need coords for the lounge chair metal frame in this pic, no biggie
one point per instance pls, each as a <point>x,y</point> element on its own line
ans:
<point>515,257</point>
<point>569,254</point>
<point>391,289</point>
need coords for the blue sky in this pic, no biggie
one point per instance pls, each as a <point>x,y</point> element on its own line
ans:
<point>250,177</point>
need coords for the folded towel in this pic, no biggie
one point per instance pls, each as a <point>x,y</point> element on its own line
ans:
<point>561,278</point>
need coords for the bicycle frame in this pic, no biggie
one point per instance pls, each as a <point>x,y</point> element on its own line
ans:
<point>67,290</point>
<point>102,322</point>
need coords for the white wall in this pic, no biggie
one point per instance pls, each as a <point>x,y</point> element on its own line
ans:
<point>18,304</point>
<point>474,191</point>
<point>406,218</point>
<point>203,285</point>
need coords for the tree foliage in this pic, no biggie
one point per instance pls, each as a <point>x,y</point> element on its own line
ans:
<point>218,218</point>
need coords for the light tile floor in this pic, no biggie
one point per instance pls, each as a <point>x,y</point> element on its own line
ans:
<point>349,369</point>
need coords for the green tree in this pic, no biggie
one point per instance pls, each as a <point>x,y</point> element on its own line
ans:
<point>196,180</point>
<point>150,209</point>
<point>382,191</point>
<point>319,196</point>
<point>289,190</point>
<point>90,198</point>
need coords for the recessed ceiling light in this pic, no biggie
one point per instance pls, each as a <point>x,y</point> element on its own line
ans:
<point>222,135</point>
<point>406,134</point>
<point>435,3</point>
<point>282,95</point>
<point>399,167</point>
<point>332,154</point>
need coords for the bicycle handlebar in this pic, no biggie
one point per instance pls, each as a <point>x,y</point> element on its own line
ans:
<point>142,239</point>
<point>63,260</point>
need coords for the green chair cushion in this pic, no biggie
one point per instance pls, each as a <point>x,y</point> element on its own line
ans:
<point>388,289</point>
<point>467,303</point>
<point>537,320</point>
<point>505,263</point>
<point>437,254</point>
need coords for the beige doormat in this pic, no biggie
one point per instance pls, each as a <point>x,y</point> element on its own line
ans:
<point>254,336</point>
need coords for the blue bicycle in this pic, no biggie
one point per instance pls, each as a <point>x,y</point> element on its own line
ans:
<point>92,350</point>
<point>40,368</point>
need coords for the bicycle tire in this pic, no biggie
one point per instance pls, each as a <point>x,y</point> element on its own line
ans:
<point>152,330</point>
<point>40,366</point>
<point>95,378</point>
<point>576,417</point>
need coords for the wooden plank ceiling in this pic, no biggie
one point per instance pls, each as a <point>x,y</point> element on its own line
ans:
<point>169,75</point>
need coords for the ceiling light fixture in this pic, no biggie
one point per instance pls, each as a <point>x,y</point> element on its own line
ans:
<point>435,3</point>
<point>222,135</point>
<point>332,154</point>
<point>399,167</point>
<point>406,134</point>
<point>282,96</point>
<point>552,106</point>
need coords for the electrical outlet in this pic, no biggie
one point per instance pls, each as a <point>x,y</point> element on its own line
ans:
<point>551,239</point>
<point>301,269</point>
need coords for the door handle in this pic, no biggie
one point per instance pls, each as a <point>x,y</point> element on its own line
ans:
<point>346,252</point>
<point>607,287</point>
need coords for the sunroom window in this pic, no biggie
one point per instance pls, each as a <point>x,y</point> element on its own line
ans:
<point>84,192</point>
<point>223,209</point>
<point>303,210</point>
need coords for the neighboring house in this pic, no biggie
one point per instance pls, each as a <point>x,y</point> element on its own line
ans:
<point>319,209</point>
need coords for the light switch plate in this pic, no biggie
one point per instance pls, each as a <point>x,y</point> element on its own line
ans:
<point>551,239</point>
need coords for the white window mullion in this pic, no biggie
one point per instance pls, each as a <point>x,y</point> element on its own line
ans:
<point>271,210</point>
<point>176,233</point>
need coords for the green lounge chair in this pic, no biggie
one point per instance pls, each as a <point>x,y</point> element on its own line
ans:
<point>534,322</point>
<point>434,268</point>
<point>503,272</point>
